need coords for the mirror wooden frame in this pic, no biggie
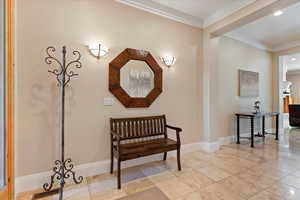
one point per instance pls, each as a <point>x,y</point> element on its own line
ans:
<point>115,88</point>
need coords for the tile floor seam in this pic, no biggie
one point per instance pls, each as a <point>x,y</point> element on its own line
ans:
<point>261,192</point>
<point>199,168</point>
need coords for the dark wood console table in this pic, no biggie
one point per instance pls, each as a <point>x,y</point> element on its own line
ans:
<point>252,116</point>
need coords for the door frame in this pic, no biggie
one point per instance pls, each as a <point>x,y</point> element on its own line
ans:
<point>9,191</point>
<point>277,58</point>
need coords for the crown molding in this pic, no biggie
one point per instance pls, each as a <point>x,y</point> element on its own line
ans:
<point>255,44</point>
<point>176,15</point>
<point>286,46</point>
<point>220,14</point>
<point>164,11</point>
<point>236,36</point>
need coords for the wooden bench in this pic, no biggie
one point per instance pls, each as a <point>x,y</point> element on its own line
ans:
<point>138,137</point>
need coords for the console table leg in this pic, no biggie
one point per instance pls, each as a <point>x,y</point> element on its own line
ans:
<point>238,130</point>
<point>263,126</point>
<point>252,132</point>
<point>277,127</point>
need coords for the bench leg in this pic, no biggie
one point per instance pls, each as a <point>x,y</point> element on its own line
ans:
<point>165,156</point>
<point>178,159</point>
<point>119,174</point>
<point>111,163</point>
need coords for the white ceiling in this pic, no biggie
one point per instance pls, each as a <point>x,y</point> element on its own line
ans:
<point>274,33</point>
<point>194,12</point>
<point>292,65</point>
<point>198,8</point>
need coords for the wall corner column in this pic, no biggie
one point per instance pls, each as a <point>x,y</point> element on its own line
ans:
<point>210,86</point>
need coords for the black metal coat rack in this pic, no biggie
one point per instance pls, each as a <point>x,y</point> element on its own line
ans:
<point>63,168</point>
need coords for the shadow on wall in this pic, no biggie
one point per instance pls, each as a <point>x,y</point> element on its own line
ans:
<point>46,107</point>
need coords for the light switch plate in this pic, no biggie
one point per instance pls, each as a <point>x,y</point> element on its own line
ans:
<point>108,101</point>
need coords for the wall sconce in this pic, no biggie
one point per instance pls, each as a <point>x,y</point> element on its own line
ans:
<point>98,50</point>
<point>168,60</point>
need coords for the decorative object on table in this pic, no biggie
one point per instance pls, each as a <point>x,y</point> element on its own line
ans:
<point>249,83</point>
<point>135,78</point>
<point>169,61</point>
<point>286,87</point>
<point>63,168</point>
<point>253,116</point>
<point>98,50</point>
<point>256,107</point>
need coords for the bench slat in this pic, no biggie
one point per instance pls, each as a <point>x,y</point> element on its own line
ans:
<point>139,128</point>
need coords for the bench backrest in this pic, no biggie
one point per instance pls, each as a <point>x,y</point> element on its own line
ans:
<point>139,127</point>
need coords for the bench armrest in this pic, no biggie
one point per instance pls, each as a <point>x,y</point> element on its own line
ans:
<point>174,128</point>
<point>178,130</point>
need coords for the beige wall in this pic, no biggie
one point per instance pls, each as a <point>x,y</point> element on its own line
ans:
<point>77,23</point>
<point>235,55</point>
<point>295,89</point>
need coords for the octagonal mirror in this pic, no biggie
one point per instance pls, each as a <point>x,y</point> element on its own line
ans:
<point>135,78</point>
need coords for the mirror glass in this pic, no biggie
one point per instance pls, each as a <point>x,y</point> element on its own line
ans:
<point>137,79</point>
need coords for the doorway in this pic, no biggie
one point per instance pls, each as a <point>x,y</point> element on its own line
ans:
<point>289,84</point>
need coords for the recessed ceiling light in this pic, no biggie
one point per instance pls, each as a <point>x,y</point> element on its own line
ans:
<point>293,59</point>
<point>278,13</point>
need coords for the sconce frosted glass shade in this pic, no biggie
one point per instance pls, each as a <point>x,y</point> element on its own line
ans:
<point>169,60</point>
<point>98,50</point>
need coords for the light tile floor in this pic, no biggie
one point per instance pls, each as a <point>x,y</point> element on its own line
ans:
<point>270,171</point>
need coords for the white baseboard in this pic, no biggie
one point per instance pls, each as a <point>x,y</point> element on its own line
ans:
<point>35,181</point>
<point>210,146</point>
<point>215,146</point>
